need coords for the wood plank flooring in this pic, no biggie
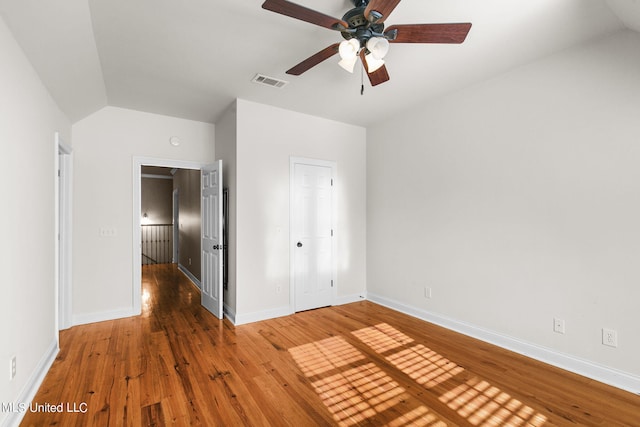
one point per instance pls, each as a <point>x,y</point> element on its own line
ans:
<point>352,365</point>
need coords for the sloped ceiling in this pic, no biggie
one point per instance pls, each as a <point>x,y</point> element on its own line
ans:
<point>628,11</point>
<point>58,39</point>
<point>192,59</point>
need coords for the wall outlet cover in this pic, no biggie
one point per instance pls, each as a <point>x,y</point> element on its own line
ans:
<point>609,337</point>
<point>12,370</point>
<point>558,325</point>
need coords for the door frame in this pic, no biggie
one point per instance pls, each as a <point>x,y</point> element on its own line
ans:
<point>138,162</point>
<point>175,217</point>
<point>63,236</point>
<point>293,161</point>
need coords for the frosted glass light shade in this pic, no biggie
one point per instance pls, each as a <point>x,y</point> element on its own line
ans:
<point>378,46</point>
<point>349,49</point>
<point>348,64</point>
<point>373,63</point>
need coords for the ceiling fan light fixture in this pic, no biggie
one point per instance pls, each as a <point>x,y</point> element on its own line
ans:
<point>373,63</point>
<point>349,49</point>
<point>348,64</point>
<point>378,46</point>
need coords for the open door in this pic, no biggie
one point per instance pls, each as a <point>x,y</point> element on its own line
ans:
<point>212,241</point>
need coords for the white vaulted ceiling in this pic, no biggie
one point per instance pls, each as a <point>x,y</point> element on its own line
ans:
<point>190,59</point>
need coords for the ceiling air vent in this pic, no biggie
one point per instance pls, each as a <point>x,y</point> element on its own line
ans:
<point>269,81</point>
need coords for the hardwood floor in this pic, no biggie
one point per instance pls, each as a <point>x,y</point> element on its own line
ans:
<point>358,364</point>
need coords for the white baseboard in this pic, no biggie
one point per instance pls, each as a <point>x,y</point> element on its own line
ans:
<point>348,299</point>
<point>30,389</point>
<point>604,374</point>
<point>281,311</point>
<point>190,276</point>
<point>257,316</point>
<point>83,319</point>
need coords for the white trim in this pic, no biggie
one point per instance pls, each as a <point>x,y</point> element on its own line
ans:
<point>257,316</point>
<point>56,234</point>
<point>83,319</point>
<point>348,299</point>
<point>175,218</point>
<point>138,162</point>
<point>152,176</point>
<point>63,225</point>
<point>33,384</point>
<point>273,313</point>
<point>190,276</point>
<point>229,312</point>
<point>601,373</point>
<point>334,221</point>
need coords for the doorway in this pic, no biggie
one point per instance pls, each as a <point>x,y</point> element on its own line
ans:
<point>157,237</point>
<point>313,233</point>
<point>138,163</point>
<point>64,169</point>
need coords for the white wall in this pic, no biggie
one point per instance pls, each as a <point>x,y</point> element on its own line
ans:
<point>516,201</point>
<point>266,139</point>
<point>29,119</point>
<point>104,145</point>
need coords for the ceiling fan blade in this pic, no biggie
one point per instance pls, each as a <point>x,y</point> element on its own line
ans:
<point>430,33</point>
<point>375,77</point>
<point>384,7</point>
<point>314,60</point>
<point>379,76</point>
<point>302,13</point>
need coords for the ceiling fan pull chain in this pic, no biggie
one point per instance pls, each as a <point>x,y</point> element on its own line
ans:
<point>362,80</point>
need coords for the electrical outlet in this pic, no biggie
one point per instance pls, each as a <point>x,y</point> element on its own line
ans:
<point>427,292</point>
<point>558,325</point>
<point>609,337</point>
<point>12,371</point>
<point>189,261</point>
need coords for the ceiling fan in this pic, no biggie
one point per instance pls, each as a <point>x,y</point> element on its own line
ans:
<point>365,36</point>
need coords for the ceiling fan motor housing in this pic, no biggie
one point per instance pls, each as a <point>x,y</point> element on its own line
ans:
<point>359,26</point>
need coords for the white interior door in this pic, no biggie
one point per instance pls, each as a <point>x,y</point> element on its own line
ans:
<point>212,242</point>
<point>312,235</point>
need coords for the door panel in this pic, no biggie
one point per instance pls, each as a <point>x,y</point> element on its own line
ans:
<point>312,236</point>
<point>212,244</point>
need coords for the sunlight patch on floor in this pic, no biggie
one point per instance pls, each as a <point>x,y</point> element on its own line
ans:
<point>382,337</point>
<point>421,416</point>
<point>319,357</point>
<point>486,405</point>
<point>476,400</point>
<point>359,393</point>
<point>427,367</point>
<point>354,389</point>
